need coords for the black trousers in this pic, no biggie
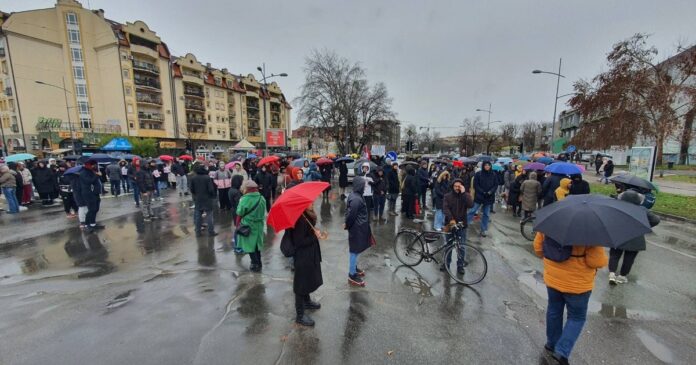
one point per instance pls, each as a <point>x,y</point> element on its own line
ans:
<point>92,210</point>
<point>370,203</point>
<point>223,196</point>
<point>409,208</point>
<point>628,258</point>
<point>255,257</point>
<point>300,300</point>
<point>68,202</point>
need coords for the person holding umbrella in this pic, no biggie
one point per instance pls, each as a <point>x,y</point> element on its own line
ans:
<point>572,254</point>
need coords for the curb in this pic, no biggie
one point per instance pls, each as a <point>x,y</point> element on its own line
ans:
<point>675,218</point>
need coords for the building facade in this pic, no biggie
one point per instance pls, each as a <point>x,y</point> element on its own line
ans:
<point>70,76</point>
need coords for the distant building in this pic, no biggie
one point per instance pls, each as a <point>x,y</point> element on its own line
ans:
<point>387,133</point>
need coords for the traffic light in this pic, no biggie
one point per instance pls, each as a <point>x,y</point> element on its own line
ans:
<point>521,148</point>
<point>409,146</point>
<point>309,144</point>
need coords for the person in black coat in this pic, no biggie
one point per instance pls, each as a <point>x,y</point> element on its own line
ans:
<point>514,195</point>
<point>578,185</point>
<point>455,206</point>
<point>485,186</point>
<point>342,178</point>
<point>66,193</point>
<point>45,181</point>
<point>379,191</point>
<point>325,171</point>
<point>204,192</point>
<point>423,183</point>
<point>359,232</point>
<point>409,193</point>
<point>90,192</point>
<point>307,261</point>
<point>548,188</point>
<point>147,185</point>
<point>264,179</point>
<point>393,187</point>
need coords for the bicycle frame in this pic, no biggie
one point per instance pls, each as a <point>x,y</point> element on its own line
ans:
<point>450,241</point>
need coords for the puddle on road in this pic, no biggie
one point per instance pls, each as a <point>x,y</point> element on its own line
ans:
<point>119,301</point>
<point>410,278</point>
<point>660,351</point>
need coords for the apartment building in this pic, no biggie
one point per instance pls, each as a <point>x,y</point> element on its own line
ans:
<point>69,75</point>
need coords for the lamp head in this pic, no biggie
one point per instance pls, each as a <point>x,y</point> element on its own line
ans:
<point>283,75</point>
<point>260,69</point>
<point>536,71</point>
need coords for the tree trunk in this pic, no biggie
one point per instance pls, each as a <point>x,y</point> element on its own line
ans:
<point>659,145</point>
<point>686,137</point>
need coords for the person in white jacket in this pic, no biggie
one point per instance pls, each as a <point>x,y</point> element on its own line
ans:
<point>367,194</point>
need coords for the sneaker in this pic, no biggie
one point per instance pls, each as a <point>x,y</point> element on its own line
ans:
<point>147,219</point>
<point>561,360</point>
<point>360,273</point>
<point>460,270</point>
<point>620,279</point>
<point>394,214</point>
<point>355,280</point>
<point>612,278</point>
<point>304,320</point>
<point>483,234</point>
<point>24,209</point>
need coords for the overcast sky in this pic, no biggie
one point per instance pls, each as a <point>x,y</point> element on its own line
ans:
<point>440,60</point>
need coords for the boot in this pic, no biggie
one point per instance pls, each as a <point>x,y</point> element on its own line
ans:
<point>311,305</point>
<point>304,320</point>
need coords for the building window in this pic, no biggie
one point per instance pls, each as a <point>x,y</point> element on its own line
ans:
<point>78,72</point>
<point>83,107</point>
<point>126,74</point>
<point>130,108</point>
<point>128,91</point>
<point>86,123</point>
<point>124,56</point>
<point>71,18</point>
<point>76,54</point>
<point>229,84</point>
<point>73,36</point>
<point>81,90</point>
<point>210,130</point>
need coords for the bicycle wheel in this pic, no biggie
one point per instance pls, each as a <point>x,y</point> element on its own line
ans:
<point>527,229</point>
<point>408,248</point>
<point>474,263</point>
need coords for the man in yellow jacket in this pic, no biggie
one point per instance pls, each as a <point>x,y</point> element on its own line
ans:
<point>569,284</point>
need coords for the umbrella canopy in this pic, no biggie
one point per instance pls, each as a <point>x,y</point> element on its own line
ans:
<point>563,168</point>
<point>315,156</point>
<point>71,157</point>
<point>633,180</point>
<point>503,160</point>
<point>294,155</point>
<point>483,158</point>
<point>324,161</point>
<point>524,158</point>
<point>457,163</point>
<point>252,155</point>
<point>129,157</point>
<point>118,144</point>
<point>73,170</point>
<point>497,167</point>
<point>408,163</point>
<point>186,157</point>
<point>346,159</point>
<point>19,157</point>
<point>292,203</point>
<point>166,158</point>
<point>230,165</point>
<point>592,220</point>
<point>467,160</point>
<point>268,160</point>
<point>534,166</point>
<point>539,155</point>
<point>99,157</point>
<point>299,162</point>
<point>331,155</point>
<point>280,154</point>
<point>544,160</point>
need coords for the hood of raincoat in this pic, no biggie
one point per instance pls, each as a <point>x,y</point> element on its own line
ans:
<point>632,197</point>
<point>565,183</point>
<point>363,165</point>
<point>358,185</point>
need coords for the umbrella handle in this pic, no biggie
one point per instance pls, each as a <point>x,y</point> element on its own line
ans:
<point>322,235</point>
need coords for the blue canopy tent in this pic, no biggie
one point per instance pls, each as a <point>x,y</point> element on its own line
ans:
<point>118,144</point>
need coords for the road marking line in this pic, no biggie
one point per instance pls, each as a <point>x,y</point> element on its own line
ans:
<point>673,250</point>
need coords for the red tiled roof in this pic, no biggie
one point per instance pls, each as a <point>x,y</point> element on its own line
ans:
<point>209,79</point>
<point>236,86</point>
<point>163,50</point>
<point>177,70</point>
<point>263,94</point>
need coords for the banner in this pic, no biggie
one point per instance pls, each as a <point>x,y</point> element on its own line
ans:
<point>642,162</point>
<point>378,150</point>
<point>275,138</point>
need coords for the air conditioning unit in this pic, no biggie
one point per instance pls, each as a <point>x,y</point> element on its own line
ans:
<point>14,128</point>
<point>8,91</point>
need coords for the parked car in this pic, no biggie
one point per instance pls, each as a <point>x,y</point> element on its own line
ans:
<point>351,171</point>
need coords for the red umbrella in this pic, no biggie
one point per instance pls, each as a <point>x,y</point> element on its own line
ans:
<point>166,158</point>
<point>457,163</point>
<point>324,161</point>
<point>289,207</point>
<point>267,160</point>
<point>186,157</point>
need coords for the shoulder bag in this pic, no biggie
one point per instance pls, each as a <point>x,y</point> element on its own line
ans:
<point>244,229</point>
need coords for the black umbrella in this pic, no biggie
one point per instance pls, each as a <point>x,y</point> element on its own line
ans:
<point>293,155</point>
<point>592,220</point>
<point>407,163</point>
<point>346,159</point>
<point>484,158</point>
<point>71,157</point>
<point>628,179</point>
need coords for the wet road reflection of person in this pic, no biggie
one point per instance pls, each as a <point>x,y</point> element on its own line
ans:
<point>253,306</point>
<point>87,250</point>
<point>206,251</point>
<point>358,306</point>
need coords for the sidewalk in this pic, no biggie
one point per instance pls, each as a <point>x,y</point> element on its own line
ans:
<point>672,187</point>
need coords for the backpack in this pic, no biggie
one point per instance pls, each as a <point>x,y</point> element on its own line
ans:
<point>649,200</point>
<point>286,245</point>
<point>557,253</point>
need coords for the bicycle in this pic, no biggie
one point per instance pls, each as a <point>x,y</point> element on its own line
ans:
<point>412,247</point>
<point>527,228</point>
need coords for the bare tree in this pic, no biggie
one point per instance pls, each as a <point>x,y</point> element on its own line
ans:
<point>337,97</point>
<point>636,97</point>
<point>509,133</point>
<point>528,135</point>
<point>470,137</point>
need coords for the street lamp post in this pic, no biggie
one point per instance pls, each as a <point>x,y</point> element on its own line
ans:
<point>262,69</point>
<point>488,125</point>
<point>67,109</point>
<point>555,103</point>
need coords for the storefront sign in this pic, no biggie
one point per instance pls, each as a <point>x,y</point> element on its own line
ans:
<point>642,162</point>
<point>167,144</point>
<point>66,135</point>
<point>275,138</point>
<point>48,123</point>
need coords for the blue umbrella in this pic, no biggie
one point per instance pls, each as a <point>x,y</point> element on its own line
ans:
<point>592,220</point>
<point>497,167</point>
<point>251,155</point>
<point>73,170</point>
<point>99,157</point>
<point>563,168</point>
<point>299,162</point>
<point>524,158</point>
<point>545,160</point>
<point>503,160</point>
<point>19,157</point>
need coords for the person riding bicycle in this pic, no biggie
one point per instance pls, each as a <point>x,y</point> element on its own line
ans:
<point>455,206</point>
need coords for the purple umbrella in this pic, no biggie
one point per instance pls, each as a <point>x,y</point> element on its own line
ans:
<point>534,166</point>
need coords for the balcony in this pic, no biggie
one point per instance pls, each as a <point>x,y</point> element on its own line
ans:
<point>153,126</point>
<point>194,106</point>
<point>148,99</point>
<point>194,128</point>
<point>155,117</point>
<point>195,121</point>
<point>147,83</point>
<point>146,67</point>
<point>190,91</point>
<point>14,128</point>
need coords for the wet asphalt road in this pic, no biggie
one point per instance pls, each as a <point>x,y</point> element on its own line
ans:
<point>153,293</point>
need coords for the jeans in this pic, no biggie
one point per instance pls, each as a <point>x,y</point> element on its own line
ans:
<point>125,184</point>
<point>197,213</point>
<point>136,192</point>
<point>115,187</point>
<point>82,214</point>
<point>421,195</point>
<point>379,201</point>
<point>12,203</point>
<point>157,189</point>
<point>559,338</point>
<point>461,237</point>
<point>181,184</point>
<point>92,210</point>
<point>147,204</point>
<point>486,213</point>
<point>628,258</point>
<point>353,264</point>
<point>439,219</point>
